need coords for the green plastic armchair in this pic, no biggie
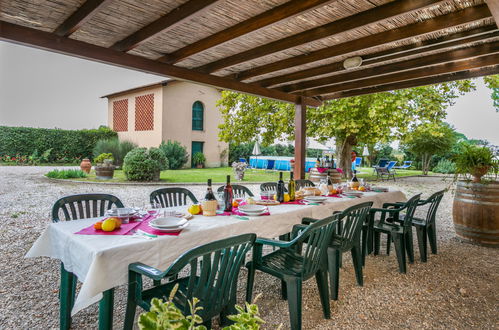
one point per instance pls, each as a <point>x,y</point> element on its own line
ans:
<point>268,186</point>
<point>171,197</point>
<point>294,262</point>
<point>304,183</point>
<point>75,207</point>
<point>212,278</point>
<point>238,190</point>
<point>400,233</point>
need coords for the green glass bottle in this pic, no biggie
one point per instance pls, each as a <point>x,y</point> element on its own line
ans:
<point>291,187</point>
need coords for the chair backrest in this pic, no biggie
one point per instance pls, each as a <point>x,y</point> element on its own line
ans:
<point>407,163</point>
<point>270,164</point>
<point>267,186</point>
<point>304,183</point>
<point>358,161</point>
<point>242,160</point>
<point>410,208</point>
<point>391,164</point>
<point>238,190</point>
<point>214,271</point>
<point>83,206</point>
<point>317,237</point>
<point>351,221</point>
<point>433,201</point>
<point>170,197</point>
<point>382,162</point>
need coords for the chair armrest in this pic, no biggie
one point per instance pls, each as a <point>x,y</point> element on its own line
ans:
<point>146,270</point>
<point>296,230</point>
<point>307,221</point>
<point>273,242</point>
<point>395,205</point>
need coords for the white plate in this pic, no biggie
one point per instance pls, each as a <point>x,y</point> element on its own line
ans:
<point>382,189</point>
<point>254,214</point>
<point>169,230</point>
<point>315,198</point>
<point>252,208</point>
<point>167,222</point>
<point>356,194</point>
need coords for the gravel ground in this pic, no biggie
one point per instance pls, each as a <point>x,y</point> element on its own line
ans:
<point>456,289</point>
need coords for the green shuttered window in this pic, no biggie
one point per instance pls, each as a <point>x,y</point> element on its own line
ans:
<point>197,116</point>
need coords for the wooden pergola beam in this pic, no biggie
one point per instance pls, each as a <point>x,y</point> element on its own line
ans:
<point>494,9</point>
<point>286,10</point>
<point>377,14</point>
<point>300,139</point>
<point>467,74</point>
<point>49,41</point>
<point>422,61</point>
<point>164,23</point>
<point>429,45</point>
<point>80,16</point>
<point>443,22</point>
<point>468,64</point>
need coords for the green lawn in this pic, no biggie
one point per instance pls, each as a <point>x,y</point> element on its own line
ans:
<point>218,175</point>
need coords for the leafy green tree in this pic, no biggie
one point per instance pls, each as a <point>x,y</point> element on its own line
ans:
<point>428,140</point>
<point>370,119</point>
<point>492,82</point>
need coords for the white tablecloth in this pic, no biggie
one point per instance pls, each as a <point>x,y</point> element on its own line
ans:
<point>101,262</point>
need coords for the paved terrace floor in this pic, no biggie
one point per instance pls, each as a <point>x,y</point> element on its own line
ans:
<point>456,289</point>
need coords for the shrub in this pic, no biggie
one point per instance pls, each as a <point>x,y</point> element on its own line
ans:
<point>176,153</point>
<point>198,158</point>
<point>102,157</point>
<point>66,174</point>
<point>445,166</point>
<point>67,146</point>
<point>118,148</point>
<point>141,164</point>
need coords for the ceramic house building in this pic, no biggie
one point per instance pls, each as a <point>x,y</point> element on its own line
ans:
<point>170,110</point>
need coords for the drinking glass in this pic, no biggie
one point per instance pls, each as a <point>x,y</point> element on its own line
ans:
<point>123,214</point>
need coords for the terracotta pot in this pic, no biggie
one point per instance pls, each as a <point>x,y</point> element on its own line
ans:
<point>478,173</point>
<point>85,165</point>
<point>199,166</point>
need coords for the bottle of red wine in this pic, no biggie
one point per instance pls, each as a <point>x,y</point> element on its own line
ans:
<point>209,192</point>
<point>280,189</point>
<point>228,196</point>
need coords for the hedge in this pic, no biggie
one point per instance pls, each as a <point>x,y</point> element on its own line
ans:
<point>66,145</point>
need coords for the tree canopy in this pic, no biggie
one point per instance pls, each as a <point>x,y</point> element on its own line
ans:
<point>492,82</point>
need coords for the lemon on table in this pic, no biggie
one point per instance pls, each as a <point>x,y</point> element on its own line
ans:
<point>117,221</point>
<point>286,198</point>
<point>109,225</point>
<point>194,209</point>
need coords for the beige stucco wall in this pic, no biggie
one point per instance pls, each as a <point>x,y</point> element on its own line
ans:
<point>146,139</point>
<point>178,98</point>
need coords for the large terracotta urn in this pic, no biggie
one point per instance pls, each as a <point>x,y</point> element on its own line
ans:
<point>476,212</point>
<point>85,165</point>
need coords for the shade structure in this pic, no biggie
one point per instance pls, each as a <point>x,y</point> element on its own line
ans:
<point>287,50</point>
<point>256,149</point>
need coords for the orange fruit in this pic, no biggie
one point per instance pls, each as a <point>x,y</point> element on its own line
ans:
<point>98,225</point>
<point>235,204</point>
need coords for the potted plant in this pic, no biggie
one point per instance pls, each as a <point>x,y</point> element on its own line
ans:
<point>198,159</point>
<point>239,169</point>
<point>104,168</point>
<point>476,202</point>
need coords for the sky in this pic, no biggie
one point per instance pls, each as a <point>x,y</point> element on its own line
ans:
<point>44,89</point>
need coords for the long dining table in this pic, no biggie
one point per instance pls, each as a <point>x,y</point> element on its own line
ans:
<point>101,262</point>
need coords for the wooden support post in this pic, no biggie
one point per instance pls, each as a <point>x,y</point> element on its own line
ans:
<point>300,139</point>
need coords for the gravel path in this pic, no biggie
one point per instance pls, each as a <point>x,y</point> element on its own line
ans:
<point>457,289</point>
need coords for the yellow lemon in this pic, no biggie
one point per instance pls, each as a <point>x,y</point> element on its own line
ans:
<point>275,197</point>
<point>117,221</point>
<point>109,225</point>
<point>286,198</point>
<point>194,209</point>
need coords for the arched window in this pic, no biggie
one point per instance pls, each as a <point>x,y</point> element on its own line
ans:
<point>197,116</point>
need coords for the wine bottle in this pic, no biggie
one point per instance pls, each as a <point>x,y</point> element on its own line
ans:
<point>228,196</point>
<point>280,189</point>
<point>291,187</point>
<point>209,192</point>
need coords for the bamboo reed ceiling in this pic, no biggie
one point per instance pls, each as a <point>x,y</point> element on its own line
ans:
<point>282,49</point>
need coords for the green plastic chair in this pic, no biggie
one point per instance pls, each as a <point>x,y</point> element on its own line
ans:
<point>425,227</point>
<point>401,234</point>
<point>171,197</point>
<point>268,186</point>
<point>238,190</point>
<point>304,183</point>
<point>293,264</point>
<point>347,239</point>
<point>212,278</point>
<point>75,207</point>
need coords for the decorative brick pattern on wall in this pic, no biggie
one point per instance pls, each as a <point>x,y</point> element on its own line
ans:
<point>120,115</point>
<point>144,112</point>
